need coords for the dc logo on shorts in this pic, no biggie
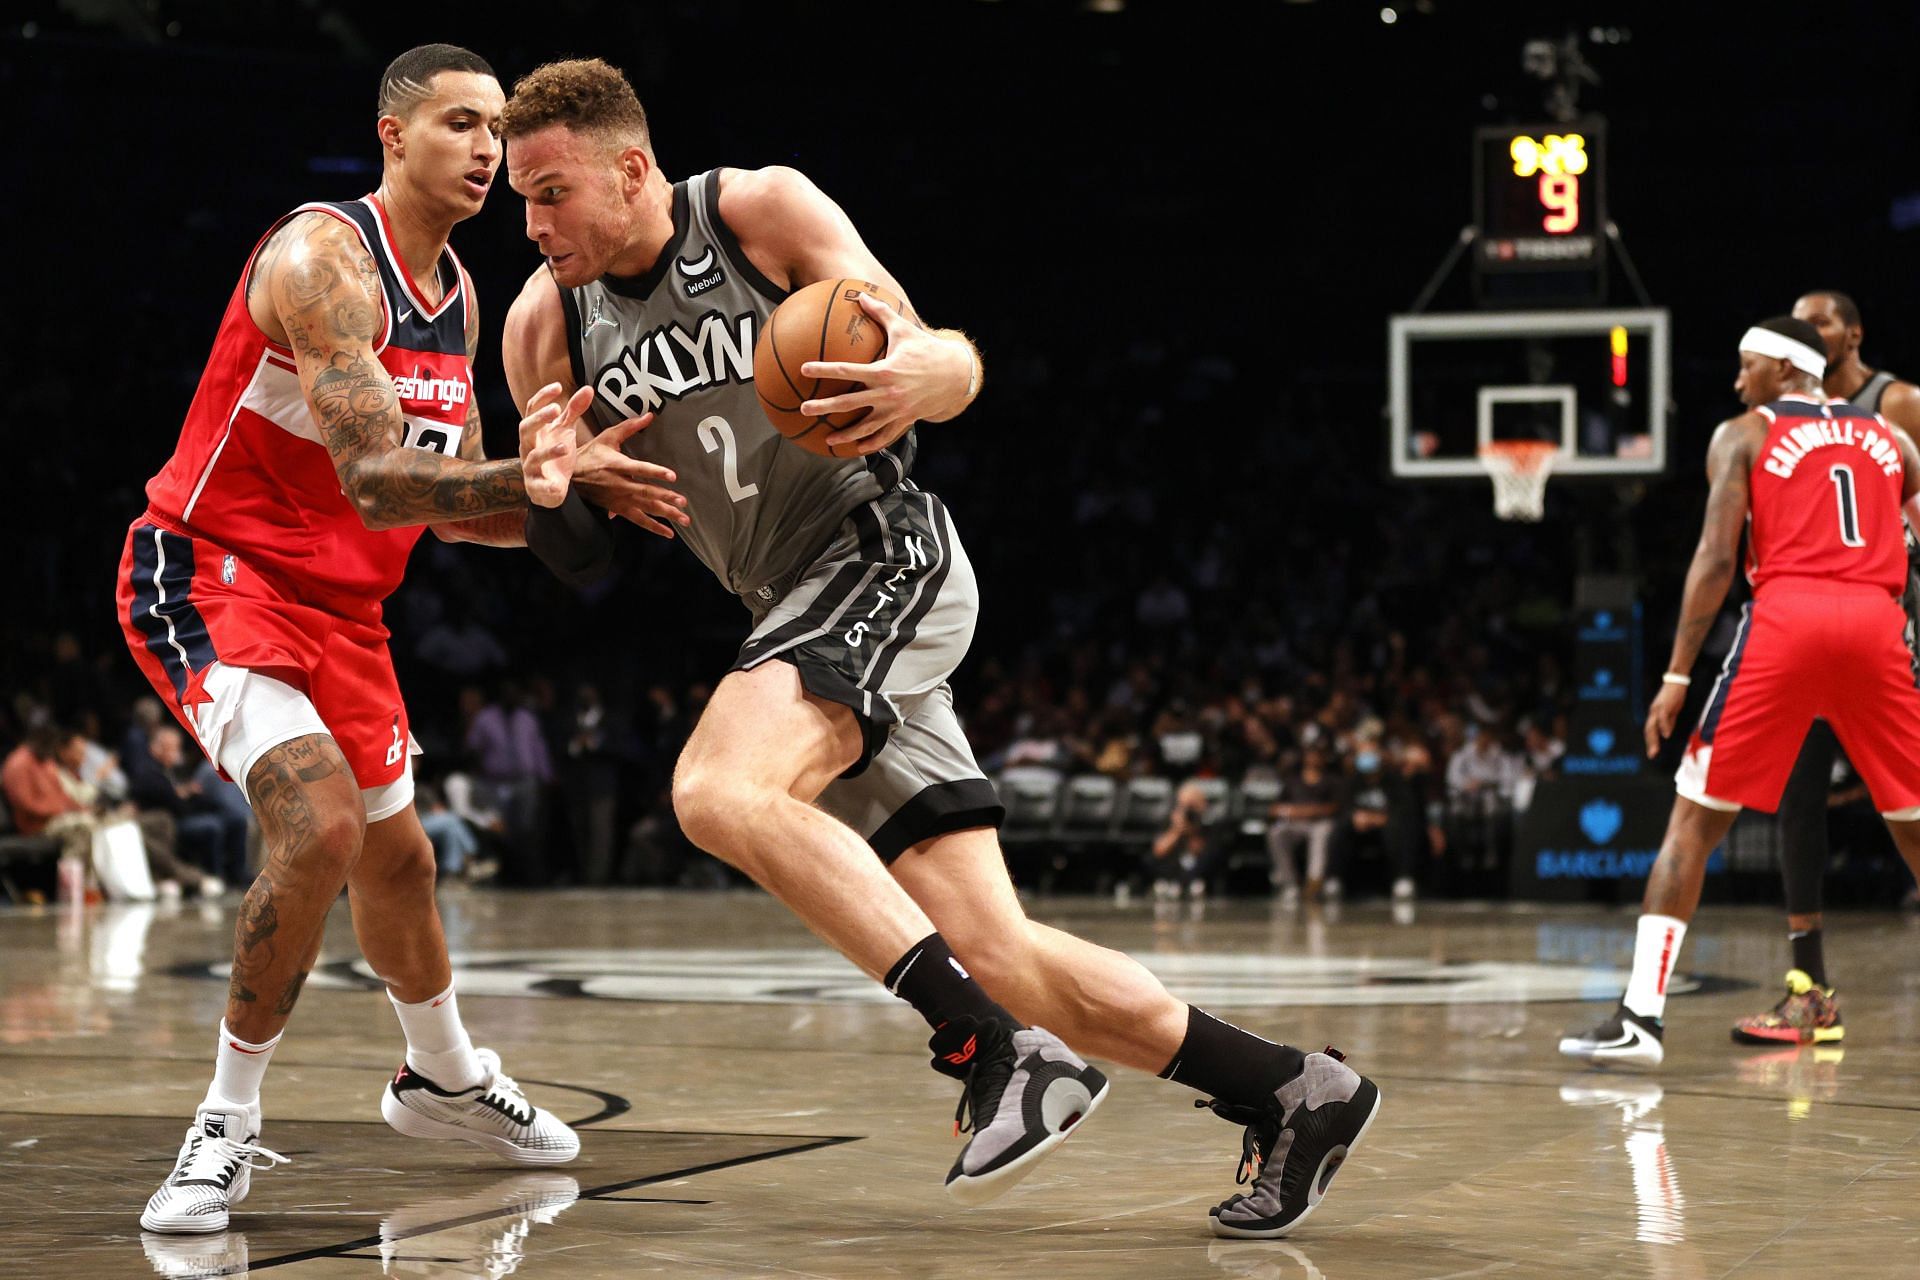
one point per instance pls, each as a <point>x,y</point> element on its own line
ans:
<point>229,570</point>
<point>399,748</point>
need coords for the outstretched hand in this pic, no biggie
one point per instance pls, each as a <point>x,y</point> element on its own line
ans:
<point>626,486</point>
<point>549,443</point>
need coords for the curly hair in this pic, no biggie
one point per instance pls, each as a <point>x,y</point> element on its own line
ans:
<point>586,95</point>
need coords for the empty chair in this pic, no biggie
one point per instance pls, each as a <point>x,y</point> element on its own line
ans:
<point>1145,806</point>
<point>1088,807</point>
<point>1254,801</point>
<point>1032,798</point>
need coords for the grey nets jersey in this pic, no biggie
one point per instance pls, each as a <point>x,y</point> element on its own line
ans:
<point>678,343</point>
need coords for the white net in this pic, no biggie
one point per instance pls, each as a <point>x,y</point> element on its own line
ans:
<point>1519,470</point>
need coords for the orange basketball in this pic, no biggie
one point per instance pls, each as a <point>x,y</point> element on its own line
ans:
<point>821,321</point>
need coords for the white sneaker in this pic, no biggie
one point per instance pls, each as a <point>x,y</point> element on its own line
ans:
<point>1403,889</point>
<point>213,1172</point>
<point>493,1114</point>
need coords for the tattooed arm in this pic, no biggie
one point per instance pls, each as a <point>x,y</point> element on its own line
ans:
<point>324,290</point>
<point>507,528</point>
<point>1729,469</point>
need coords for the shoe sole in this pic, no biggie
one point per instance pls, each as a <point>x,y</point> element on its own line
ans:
<point>405,1120</point>
<point>1647,1052</point>
<point>1821,1035</point>
<point>197,1225</point>
<point>1322,1178</point>
<point>979,1188</point>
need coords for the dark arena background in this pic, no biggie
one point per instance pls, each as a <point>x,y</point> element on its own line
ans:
<point>1246,280</point>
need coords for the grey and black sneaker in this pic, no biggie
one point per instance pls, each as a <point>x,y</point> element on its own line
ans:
<point>1025,1092</point>
<point>1293,1146</point>
<point>1623,1037</point>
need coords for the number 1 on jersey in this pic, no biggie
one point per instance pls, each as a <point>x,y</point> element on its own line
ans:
<point>1842,476</point>
<point>716,433</point>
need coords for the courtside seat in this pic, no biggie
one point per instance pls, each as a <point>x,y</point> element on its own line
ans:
<point>1088,807</point>
<point>1032,798</point>
<point>1145,806</point>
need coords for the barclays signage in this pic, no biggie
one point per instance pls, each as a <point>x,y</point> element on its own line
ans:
<point>1580,834</point>
<point>1604,756</point>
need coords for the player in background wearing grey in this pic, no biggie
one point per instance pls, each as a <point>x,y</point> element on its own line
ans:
<point>833,738</point>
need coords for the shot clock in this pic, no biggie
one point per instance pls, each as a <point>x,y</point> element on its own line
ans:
<point>1540,206</point>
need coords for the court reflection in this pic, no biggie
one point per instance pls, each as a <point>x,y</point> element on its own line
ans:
<point>1804,1074</point>
<point>485,1233</point>
<point>1660,1207</point>
<point>223,1253</point>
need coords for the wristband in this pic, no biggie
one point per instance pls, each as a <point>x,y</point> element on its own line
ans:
<point>1670,677</point>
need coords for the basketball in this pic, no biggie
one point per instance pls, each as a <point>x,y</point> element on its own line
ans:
<point>821,321</point>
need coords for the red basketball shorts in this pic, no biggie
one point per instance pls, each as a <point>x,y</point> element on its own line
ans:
<point>245,666</point>
<point>1809,649</point>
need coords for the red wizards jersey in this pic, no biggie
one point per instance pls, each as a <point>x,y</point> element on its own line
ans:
<point>1826,497</point>
<point>250,472</point>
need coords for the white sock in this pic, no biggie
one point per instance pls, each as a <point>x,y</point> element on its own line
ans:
<point>1655,951</point>
<point>238,1069</point>
<point>437,1043</point>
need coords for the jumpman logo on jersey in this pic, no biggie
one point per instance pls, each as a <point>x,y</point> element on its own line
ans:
<point>595,320</point>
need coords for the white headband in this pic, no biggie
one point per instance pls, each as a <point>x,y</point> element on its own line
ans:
<point>1766,342</point>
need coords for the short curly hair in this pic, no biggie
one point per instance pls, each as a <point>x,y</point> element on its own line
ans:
<point>587,95</point>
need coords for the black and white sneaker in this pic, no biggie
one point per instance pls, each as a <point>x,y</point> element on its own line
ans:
<point>1624,1037</point>
<point>1025,1092</point>
<point>493,1114</point>
<point>1293,1146</point>
<point>212,1173</point>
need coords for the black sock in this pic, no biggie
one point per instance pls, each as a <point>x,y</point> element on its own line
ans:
<point>1234,1066</point>
<point>933,982</point>
<point>1808,956</point>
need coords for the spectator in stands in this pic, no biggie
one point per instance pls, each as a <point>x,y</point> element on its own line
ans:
<point>1482,770</point>
<point>514,769</point>
<point>41,778</point>
<point>455,846</point>
<point>1185,855</point>
<point>1310,803</point>
<point>207,837</point>
<point>591,771</point>
<point>1382,816</point>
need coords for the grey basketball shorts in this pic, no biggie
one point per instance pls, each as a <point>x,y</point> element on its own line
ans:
<point>877,624</point>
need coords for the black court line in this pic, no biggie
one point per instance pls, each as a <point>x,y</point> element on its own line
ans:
<point>597,1193</point>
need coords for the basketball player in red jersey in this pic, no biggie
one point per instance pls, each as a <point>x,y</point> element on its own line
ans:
<point>1823,485</point>
<point>336,416</point>
<point>1809,1012</point>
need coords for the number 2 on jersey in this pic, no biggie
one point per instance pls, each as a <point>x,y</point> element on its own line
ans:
<point>717,434</point>
<point>1842,476</point>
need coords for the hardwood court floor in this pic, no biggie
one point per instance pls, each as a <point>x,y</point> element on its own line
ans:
<point>751,1107</point>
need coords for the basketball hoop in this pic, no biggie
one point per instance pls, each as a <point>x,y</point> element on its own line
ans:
<point>1519,470</point>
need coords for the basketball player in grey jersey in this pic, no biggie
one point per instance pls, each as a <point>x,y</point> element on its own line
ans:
<point>1810,1009</point>
<point>834,739</point>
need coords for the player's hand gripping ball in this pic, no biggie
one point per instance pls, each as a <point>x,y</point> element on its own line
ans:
<point>822,321</point>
